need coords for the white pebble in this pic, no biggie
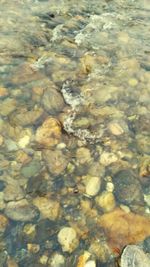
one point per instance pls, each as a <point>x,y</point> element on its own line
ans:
<point>67,237</point>
<point>93,186</point>
<point>107,158</point>
<point>90,264</point>
<point>110,187</point>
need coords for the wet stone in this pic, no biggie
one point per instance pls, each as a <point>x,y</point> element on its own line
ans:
<point>127,188</point>
<point>67,237</point>
<point>49,133</point>
<point>55,160</point>
<point>93,186</point>
<point>21,211</point>
<point>2,185</point>
<point>48,208</point>
<point>31,169</point>
<point>37,186</point>
<point>52,101</point>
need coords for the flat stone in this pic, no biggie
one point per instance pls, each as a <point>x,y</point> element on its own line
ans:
<point>21,211</point>
<point>93,186</point>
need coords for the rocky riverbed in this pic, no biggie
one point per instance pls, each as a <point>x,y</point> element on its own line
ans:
<point>74,132</point>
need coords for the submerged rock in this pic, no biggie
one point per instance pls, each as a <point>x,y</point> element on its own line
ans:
<point>127,188</point>
<point>52,100</point>
<point>124,228</point>
<point>49,133</point>
<point>133,256</point>
<point>21,211</point>
<point>55,160</point>
<point>67,237</point>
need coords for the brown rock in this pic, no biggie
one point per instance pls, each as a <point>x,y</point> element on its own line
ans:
<point>26,73</point>
<point>47,207</point>
<point>3,223</point>
<point>49,133</point>
<point>24,117</point>
<point>3,92</point>
<point>123,228</point>
<point>56,161</point>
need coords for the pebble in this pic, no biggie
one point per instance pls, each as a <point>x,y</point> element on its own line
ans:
<point>48,208</point>
<point>33,248</point>
<point>2,202</point>
<point>21,211</point>
<point>12,263</point>
<point>8,106</point>
<point>1,140</point>
<point>25,117</point>
<point>52,100</point>
<point>3,223</point>
<point>55,160</point>
<point>93,186</point>
<point>57,260</point>
<point>83,155</point>
<point>67,237</point>
<point>49,133</point>
<point>31,169</point>
<point>106,201</point>
<point>115,128</point>
<point>90,263</point>
<point>128,190</point>
<point>110,187</point>
<point>107,158</point>
<point>3,92</point>
<point>24,141</point>
<point>13,191</point>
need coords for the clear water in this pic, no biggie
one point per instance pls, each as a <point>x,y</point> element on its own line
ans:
<point>96,56</point>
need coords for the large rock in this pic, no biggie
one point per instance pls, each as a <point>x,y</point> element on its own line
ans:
<point>124,228</point>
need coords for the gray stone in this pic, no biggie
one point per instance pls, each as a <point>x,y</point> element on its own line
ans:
<point>21,211</point>
<point>52,101</point>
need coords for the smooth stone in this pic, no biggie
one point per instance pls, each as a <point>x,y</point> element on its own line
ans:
<point>2,185</point>
<point>21,211</point>
<point>52,100</point>
<point>49,133</point>
<point>2,202</point>
<point>83,155</point>
<point>134,256</point>
<point>48,208</point>
<point>13,192</point>
<point>106,201</point>
<point>57,260</point>
<point>55,160</point>
<point>119,223</point>
<point>11,145</point>
<point>128,190</point>
<point>90,263</point>
<point>108,158</point>
<point>93,186</point>
<point>115,128</point>
<point>3,224</point>
<point>25,117</point>
<point>8,106</point>
<point>31,169</point>
<point>67,237</point>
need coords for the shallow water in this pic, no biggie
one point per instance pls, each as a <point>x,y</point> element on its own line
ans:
<point>74,131</point>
